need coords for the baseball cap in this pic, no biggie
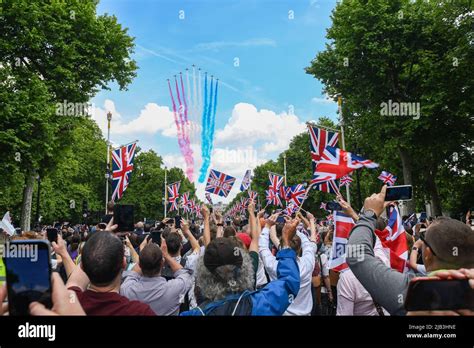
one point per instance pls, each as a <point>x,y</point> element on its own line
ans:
<point>221,252</point>
<point>245,238</point>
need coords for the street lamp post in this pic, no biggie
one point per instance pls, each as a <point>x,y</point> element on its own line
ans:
<point>107,173</point>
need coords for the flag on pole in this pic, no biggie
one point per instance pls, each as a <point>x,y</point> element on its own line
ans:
<point>290,209</point>
<point>122,167</point>
<point>335,163</point>
<point>272,197</point>
<point>208,197</point>
<point>342,227</point>
<point>285,192</point>
<point>297,194</point>
<point>394,240</point>
<point>320,138</point>
<point>276,181</point>
<point>246,180</point>
<point>387,178</point>
<point>253,196</point>
<point>330,186</point>
<point>346,180</point>
<point>185,202</point>
<point>219,183</point>
<point>173,190</point>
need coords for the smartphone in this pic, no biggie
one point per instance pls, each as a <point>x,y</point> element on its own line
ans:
<point>52,234</point>
<point>156,237</point>
<point>28,273</point>
<point>431,293</point>
<point>399,193</point>
<point>177,221</point>
<point>123,217</point>
<point>280,220</point>
<point>423,216</point>
<point>331,205</point>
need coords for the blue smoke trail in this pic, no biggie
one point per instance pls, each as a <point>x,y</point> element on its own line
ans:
<point>209,133</point>
<point>204,124</point>
<point>205,139</point>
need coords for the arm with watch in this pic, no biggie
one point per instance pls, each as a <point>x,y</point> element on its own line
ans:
<point>387,286</point>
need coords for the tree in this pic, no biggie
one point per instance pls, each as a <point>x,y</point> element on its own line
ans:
<point>403,51</point>
<point>51,52</point>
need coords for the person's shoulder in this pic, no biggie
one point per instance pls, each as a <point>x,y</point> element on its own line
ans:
<point>138,308</point>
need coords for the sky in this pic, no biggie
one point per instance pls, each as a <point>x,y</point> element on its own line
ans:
<point>257,48</point>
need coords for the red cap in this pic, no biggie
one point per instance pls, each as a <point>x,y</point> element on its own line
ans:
<point>245,238</point>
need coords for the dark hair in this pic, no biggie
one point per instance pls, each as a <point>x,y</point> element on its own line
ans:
<point>229,231</point>
<point>110,206</point>
<point>74,242</point>
<point>146,228</point>
<point>295,244</point>
<point>452,241</point>
<point>173,242</point>
<point>102,258</point>
<point>151,260</point>
<point>279,229</point>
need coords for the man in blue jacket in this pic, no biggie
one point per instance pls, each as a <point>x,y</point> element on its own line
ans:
<point>225,278</point>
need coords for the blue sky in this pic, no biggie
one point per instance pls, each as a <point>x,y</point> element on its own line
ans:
<point>272,48</point>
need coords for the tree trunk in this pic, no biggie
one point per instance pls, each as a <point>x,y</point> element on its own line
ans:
<point>433,191</point>
<point>407,177</point>
<point>27,199</point>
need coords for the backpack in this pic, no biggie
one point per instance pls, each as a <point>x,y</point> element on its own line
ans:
<point>232,305</point>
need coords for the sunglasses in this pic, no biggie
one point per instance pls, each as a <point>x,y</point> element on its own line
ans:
<point>422,237</point>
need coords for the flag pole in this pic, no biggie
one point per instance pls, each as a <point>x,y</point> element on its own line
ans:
<point>107,173</point>
<point>165,202</point>
<point>341,121</point>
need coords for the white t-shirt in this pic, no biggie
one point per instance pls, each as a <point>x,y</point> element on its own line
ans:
<point>303,303</point>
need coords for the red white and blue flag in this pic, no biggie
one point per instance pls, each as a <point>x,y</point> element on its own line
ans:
<point>394,240</point>
<point>185,202</point>
<point>276,181</point>
<point>285,192</point>
<point>346,180</point>
<point>219,183</point>
<point>320,138</point>
<point>272,197</point>
<point>297,194</point>
<point>253,196</point>
<point>335,163</point>
<point>342,227</point>
<point>209,199</point>
<point>122,167</point>
<point>330,186</point>
<point>323,206</point>
<point>246,180</point>
<point>387,178</point>
<point>290,209</point>
<point>173,195</point>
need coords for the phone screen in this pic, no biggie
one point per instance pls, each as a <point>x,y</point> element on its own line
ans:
<point>280,220</point>
<point>422,216</point>
<point>52,234</point>
<point>434,294</point>
<point>28,269</point>
<point>177,221</point>
<point>156,237</point>
<point>123,217</point>
<point>399,193</point>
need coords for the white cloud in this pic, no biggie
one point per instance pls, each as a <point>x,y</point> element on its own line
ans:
<point>247,125</point>
<point>153,118</point>
<point>325,100</point>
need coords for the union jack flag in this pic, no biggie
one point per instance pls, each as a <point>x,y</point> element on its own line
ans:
<point>122,167</point>
<point>320,138</point>
<point>323,206</point>
<point>185,202</point>
<point>393,239</point>
<point>208,197</point>
<point>246,180</point>
<point>342,227</point>
<point>346,180</point>
<point>253,196</point>
<point>272,197</point>
<point>219,183</point>
<point>173,190</point>
<point>330,186</point>
<point>192,205</point>
<point>285,192</point>
<point>290,209</point>
<point>276,181</point>
<point>387,178</point>
<point>297,194</point>
<point>335,163</point>
<point>243,203</point>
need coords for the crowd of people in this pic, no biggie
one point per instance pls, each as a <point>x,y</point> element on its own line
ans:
<point>263,265</point>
